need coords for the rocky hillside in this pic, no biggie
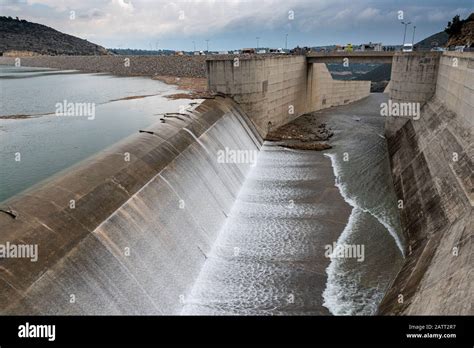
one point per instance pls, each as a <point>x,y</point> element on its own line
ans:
<point>461,32</point>
<point>21,37</point>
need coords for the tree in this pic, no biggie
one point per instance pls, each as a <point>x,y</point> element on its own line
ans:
<point>454,26</point>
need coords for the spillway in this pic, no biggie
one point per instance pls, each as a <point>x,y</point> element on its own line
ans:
<point>197,215</point>
<point>145,215</point>
<point>269,257</point>
<point>161,223</point>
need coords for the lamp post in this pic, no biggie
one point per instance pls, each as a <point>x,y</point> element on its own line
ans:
<point>405,33</point>
<point>286,41</point>
<point>257,41</point>
<point>194,44</point>
<point>413,38</point>
<point>207,45</point>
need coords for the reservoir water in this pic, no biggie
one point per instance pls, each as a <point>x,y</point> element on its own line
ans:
<point>35,143</point>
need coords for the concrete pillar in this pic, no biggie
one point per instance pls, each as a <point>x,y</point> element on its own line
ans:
<point>414,76</point>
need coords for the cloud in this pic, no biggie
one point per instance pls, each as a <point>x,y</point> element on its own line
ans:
<point>92,13</point>
<point>369,13</point>
<point>131,21</point>
<point>124,4</point>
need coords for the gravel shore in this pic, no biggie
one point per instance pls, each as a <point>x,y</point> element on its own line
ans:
<point>179,66</point>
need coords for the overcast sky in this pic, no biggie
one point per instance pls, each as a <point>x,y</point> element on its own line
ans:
<point>232,24</point>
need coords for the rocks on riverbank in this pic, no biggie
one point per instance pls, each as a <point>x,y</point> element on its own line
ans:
<point>197,86</point>
<point>179,66</point>
<point>304,133</point>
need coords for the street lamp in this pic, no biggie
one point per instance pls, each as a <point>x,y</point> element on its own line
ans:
<point>405,33</point>
<point>207,45</point>
<point>194,44</point>
<point>286,41</point>
<point>413,38</point>
<point>257,41</point>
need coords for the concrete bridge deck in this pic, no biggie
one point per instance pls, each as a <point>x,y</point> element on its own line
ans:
<point>382,57</point>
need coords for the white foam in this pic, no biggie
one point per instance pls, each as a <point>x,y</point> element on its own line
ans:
<point>343,190</point>
<point>336,293</point>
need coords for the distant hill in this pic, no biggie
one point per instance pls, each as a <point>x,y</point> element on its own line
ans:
<point>351,72</point>
<point>138,52</point>
<point>28,38</point>
<point>380,73</point>
<point>436,40</point>
<point>378,77</point>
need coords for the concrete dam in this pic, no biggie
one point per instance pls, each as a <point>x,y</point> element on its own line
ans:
<point>198,214</point>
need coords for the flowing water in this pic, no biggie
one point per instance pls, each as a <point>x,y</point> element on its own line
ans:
<point>360,160</point>
<point>270,256</point>
<point>35,143</point>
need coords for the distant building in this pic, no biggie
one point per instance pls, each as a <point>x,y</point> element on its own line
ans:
<point>371,46</point>
<point>247,51</point>
<point>346,48</point>
<point>300,50</point>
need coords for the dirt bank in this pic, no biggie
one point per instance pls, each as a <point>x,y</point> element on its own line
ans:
<point>304,133</point>
<point>197,86</point>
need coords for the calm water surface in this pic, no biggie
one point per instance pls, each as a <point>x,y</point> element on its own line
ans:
<point>45,143</point>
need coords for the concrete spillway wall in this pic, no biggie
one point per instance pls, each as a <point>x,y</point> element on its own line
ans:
<point>275,90</point>
<point>323,91</point>
<point>414,76</point>
<point>127,231</point>
<point>272,91</point>
<point>432,165</point>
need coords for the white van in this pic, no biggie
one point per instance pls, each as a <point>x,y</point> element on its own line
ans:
<point>408,47</point>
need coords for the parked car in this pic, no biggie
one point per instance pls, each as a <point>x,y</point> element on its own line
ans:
<point>277,50</point>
